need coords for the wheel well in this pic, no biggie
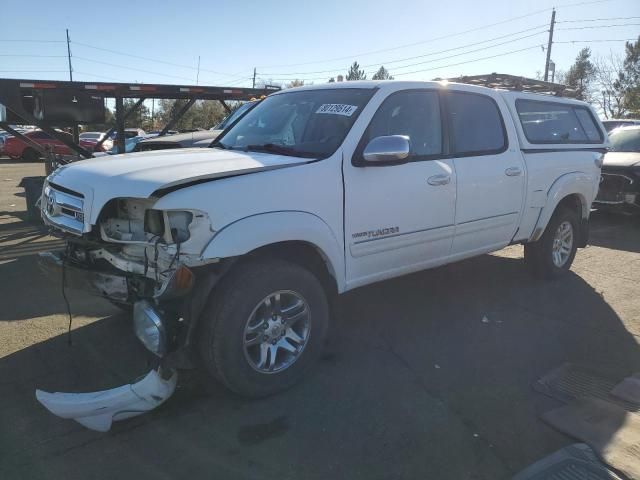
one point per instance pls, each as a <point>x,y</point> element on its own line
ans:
<point>304,254</point>
<point>572,202</point>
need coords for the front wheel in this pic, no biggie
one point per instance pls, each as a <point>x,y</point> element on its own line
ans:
<point>265,325</point>
<point>552,255</point>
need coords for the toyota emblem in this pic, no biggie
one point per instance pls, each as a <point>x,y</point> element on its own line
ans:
<point>52,204</point>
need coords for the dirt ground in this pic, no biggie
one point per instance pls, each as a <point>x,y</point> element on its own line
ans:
<point>426,376</point>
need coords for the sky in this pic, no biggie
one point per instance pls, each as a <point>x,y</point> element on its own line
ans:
<point>285,40</point>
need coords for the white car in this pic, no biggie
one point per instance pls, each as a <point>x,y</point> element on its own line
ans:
<point>96,137</point>
<point>234,252</point>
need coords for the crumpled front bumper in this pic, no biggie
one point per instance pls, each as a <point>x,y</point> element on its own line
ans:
<point>98,410</point>
<point>618,190</point>
<point>109,285</point>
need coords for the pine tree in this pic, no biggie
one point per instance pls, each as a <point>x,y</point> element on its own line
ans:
<point>382,74</point>
<point>355,73</point>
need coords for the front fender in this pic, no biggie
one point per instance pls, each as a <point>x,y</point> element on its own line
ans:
<point>575,183</point>
<point>250,233</point>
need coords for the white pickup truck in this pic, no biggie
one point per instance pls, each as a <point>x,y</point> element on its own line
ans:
<point>231,255</point>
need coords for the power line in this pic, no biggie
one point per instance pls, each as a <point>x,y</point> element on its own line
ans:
<point>132,68</point>
<point>20,40</point>
<point>596,19</point>
<point>597,41</point>
<point>155,60</point>
<point>482,27</point>
<point>389,62</point>
<point>438,67</point>
<point>31,55</point>
<point>601,26</point>
<point>32,71</point>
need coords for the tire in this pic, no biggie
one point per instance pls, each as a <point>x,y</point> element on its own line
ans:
<point>239,308</point>
<point>546,257</point>
<point>30,155</point>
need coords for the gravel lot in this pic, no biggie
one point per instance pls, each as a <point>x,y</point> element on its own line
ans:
<point>426,376</point>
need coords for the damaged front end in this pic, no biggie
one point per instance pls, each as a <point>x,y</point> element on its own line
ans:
<point>146,260</point>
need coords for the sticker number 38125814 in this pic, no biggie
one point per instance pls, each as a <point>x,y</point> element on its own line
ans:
<point>337,109</point>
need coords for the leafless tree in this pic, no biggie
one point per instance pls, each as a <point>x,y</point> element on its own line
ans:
<point>609,97</point>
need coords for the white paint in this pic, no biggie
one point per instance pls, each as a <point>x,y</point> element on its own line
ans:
<point>332,204</point>
<point>98,410</point>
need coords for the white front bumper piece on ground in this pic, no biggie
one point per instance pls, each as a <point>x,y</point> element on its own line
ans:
<point>98,410</point>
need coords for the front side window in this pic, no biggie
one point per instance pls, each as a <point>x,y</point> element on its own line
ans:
<point>308,123</point>
<point>476,124</point>
<point>415,114</point>
<point>233,116</point>
<point>625,140</point>
<point>550,122</point>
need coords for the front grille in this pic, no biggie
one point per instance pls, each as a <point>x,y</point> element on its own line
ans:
<point>613,187</point>
<point>63,209</point>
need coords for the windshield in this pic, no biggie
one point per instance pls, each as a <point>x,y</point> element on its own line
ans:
<point>308,123</point>
<point>233,116</point>
<point>625,140</point>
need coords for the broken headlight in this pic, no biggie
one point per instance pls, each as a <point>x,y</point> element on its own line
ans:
<point>172,225</point>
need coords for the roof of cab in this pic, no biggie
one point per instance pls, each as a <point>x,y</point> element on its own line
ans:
<point>400,84</point>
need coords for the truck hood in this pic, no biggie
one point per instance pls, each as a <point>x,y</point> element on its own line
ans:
<point>184,139</point>
<point>139,175</point>
<point>621,159</point>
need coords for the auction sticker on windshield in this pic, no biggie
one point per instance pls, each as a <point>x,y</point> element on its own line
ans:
<point>337,109</point>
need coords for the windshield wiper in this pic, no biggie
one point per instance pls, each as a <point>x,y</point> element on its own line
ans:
<point>217,144</point>
<point>279,150</point>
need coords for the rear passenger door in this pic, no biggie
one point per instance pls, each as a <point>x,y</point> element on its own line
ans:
<point>490,173</point>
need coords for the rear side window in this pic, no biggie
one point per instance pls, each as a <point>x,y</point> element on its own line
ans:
<point>475,124</point>
<point>550,122</point>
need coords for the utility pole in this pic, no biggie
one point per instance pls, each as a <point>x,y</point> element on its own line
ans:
<point>546,65</point>
<point>76,130</point>
<point>69,57</point>
<point>254,77</point>
<point>198,74</point>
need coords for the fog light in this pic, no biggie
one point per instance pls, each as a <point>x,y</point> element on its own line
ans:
<point>630,197</point>
<point>149,327</point>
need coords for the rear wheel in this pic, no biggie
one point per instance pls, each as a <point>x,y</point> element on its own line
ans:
<point>264,327</point>
<point>552,255</point>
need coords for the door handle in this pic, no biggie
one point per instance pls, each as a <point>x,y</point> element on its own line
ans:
<point>436,180</point>
<point>513,172</point>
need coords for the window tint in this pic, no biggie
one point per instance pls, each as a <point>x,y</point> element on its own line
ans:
<point>415,114</point>
<point>625,140</point>
<point>548,122</point>
<point>588,125</point>
<point>476,124</point>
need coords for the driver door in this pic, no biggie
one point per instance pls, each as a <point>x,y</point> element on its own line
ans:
<point>400,218</point>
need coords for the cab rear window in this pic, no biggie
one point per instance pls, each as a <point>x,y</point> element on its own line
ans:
<point>558,123</point>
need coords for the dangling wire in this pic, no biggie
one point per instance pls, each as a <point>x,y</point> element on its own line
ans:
<point>64,293</point>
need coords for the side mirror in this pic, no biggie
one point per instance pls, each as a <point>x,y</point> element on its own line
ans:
<point>387,149</point>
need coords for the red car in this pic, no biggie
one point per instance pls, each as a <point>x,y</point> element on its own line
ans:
<point>16,148</point>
